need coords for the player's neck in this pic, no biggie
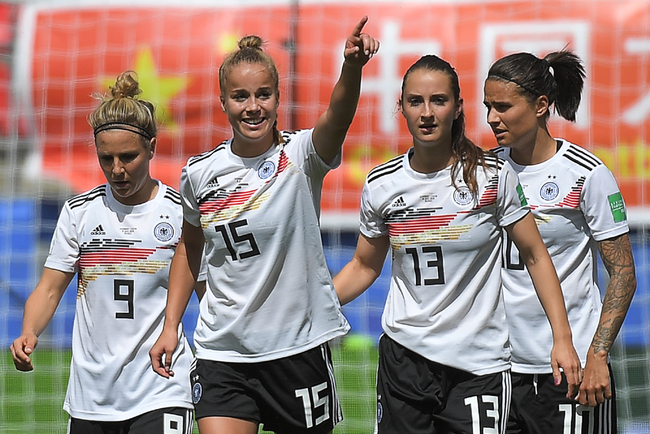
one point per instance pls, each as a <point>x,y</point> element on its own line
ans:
<point>543,149</point>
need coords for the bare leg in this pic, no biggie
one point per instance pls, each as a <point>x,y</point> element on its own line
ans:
<point>226,425</point>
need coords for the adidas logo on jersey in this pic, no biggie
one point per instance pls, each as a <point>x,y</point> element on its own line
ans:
<point>398,202</point>
<point>214,183</point>
<point>99,230</point>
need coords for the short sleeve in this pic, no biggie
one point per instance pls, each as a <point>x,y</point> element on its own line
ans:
<point>191,211</point>
<point>603,206</point>
<point>511,201</point>
<point>371,222</point>
<point>301,151</point>
<point>64,247</point>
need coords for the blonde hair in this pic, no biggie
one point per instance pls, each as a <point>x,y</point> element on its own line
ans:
<point>249,50</point>
<point>121,109</point>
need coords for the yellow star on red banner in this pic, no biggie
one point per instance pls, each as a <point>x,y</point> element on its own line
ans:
<point>157,89</point>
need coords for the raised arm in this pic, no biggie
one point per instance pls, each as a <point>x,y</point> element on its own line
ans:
<point>183,273</point>
<point>526,237</point>
<point>332,126</point>
<point>616,254</point>
<point>363,269</point>
<point>39,310</point>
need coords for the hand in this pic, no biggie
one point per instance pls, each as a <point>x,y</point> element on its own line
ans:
<point>564,356</point>
<point>162,351</point>
<point>595,387</point>
<point>21,349</point>
<point>360,47</point>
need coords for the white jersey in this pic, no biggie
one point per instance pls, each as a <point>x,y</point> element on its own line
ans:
<point>576,202</point>
<point>269,291</point>
<point>122,255</point>
<point>445,301</point>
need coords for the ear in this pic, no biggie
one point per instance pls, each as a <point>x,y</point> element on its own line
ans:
<point>152,147</point>
<point>459,108</point>
<point>541,106</point>
<point>221,100</point>
<point>400,106</point>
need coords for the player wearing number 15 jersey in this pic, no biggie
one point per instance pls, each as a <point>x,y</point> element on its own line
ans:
<point>579,210</point>
<point>444,362</point>
<point>248,208</point>
<point>119,239</point>
<point>254,203</point>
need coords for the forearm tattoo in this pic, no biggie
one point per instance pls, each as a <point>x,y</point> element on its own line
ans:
<point>616,254</point>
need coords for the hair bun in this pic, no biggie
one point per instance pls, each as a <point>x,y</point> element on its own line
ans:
<point>250,41</point>
<point>126,85</point>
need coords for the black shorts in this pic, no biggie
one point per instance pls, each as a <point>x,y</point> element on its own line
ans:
<point>295,394</point>
<point>172,420</point>
<point>540,407</point>
<point>418,396</point>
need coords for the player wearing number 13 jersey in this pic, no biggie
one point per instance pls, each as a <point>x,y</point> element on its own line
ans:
<point>445,271</point>
<point>444,362</point>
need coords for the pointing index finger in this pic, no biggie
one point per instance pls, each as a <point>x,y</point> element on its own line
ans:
<point>359,26</point>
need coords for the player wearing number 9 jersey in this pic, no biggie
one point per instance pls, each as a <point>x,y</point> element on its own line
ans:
<point>119,238</point>
<point>579,210</point>
<point>443,358</point>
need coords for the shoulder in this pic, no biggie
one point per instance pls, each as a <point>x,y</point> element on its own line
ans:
<point>294,136</point>
<point>500,152</point>
<point>208,155</point>
<point>87,198</point>
<point>171,195</point>
<point>383,171</point>
<point>493,166</point>
<point>579,158</point>
<point>494,160</point>
<point>298,142</point>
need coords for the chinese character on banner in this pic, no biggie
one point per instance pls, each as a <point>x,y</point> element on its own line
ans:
<point>176,49</point>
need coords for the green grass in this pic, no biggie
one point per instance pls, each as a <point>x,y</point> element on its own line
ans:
<point>32,402</point>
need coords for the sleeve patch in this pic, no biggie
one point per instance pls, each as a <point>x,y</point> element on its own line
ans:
<point>522,196</point>
<point>617,206</point>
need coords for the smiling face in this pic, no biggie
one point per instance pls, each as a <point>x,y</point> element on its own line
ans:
<point>125,162</point>
<point>429,107</point>
<point>250,100</point>
<point>514,119</point>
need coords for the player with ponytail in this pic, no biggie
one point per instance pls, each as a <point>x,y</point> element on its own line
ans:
<point>579,210</point>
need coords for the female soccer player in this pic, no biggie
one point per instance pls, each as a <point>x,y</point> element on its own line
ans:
<point>270,307</point>
<point>444,357</point>
<point>578,208</point>
<point>119,238</point>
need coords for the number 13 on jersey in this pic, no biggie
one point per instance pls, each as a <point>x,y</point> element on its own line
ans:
<point>427,257</point>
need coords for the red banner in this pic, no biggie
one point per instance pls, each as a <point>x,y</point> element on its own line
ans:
<point>177,49</point>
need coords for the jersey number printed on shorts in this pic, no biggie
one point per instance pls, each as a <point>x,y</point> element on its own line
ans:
<point>582,414</point>
<point>123,291</point>
<point>173,424</point>
<point>491,420</point>
<point>432,257</point>
<point>231,238</point>
<point>311,401</point>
